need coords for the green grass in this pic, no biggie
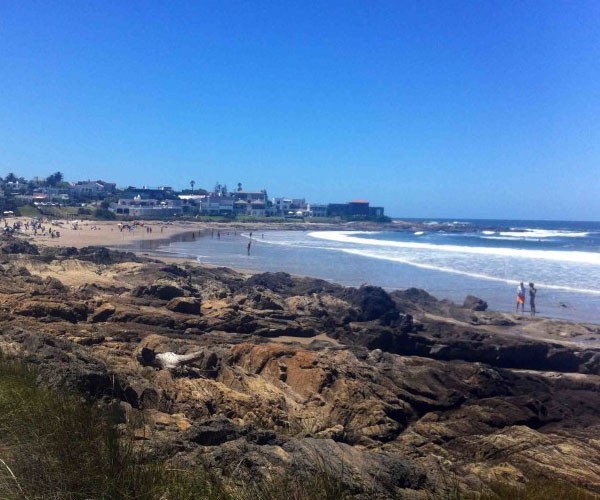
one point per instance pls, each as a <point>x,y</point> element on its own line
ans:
<point>29,211</point>
<point>55,446</point>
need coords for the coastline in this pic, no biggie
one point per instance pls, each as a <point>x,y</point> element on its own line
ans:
<point>272,355</point>
<point>145,239</point>
<point>144,244</point>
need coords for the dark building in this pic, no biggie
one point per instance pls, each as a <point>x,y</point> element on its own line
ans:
<point>160,193</point>
<point>357,209</point>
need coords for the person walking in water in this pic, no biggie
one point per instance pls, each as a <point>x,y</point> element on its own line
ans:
<point>532,292</point>
<point>521,297</point>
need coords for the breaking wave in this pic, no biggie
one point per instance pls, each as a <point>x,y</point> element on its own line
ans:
<point>553,255</point>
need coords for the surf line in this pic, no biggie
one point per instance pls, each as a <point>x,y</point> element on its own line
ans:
<point>553,255</point>
<point>465,273</point>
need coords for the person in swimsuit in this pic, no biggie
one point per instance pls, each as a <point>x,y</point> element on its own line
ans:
<point>521,297</point>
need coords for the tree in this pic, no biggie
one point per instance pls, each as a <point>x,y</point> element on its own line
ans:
<point>192,183</point>
<point>240,186</point>
<point>11,178</point>
<point>54,179</point>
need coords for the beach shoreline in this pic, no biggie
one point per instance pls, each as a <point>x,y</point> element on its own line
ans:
<point>225,246</point>
<point>144,237</point>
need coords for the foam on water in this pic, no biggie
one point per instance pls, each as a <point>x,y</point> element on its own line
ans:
<point>470,274</point>
<point>542,233</point>
<point>552,255</point>
<point>449,265</point>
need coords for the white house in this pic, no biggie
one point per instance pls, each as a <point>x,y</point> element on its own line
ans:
<point>91,189</point>
<point>147,208</point>
<point>212,204</point>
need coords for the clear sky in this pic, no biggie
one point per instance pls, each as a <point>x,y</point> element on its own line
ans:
<point>432,109</point>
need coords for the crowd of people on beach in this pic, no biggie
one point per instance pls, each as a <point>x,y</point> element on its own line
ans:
<point>521,298</point>
<point>35,226</point>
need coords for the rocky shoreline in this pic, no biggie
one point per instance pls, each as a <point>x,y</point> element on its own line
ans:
<point>254,374</point>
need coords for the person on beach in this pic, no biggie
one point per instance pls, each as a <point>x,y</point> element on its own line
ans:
<point>521,297</point>
<point>249,245</point>
<point>532,292</point>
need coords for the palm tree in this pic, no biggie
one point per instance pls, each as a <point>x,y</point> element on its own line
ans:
<point>192,183</point>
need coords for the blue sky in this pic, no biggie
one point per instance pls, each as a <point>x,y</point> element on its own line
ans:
<point>432,109</point>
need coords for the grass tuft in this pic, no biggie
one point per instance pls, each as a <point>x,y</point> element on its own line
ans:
<point>57,446</point>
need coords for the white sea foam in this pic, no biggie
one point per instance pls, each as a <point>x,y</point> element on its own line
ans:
<point>579,257</point>
<point>432,267</point>
<point>501,238</point>
<point>488,232</point>
<point>543,233</point>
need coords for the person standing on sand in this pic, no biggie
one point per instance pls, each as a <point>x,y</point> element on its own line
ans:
<point>521,297</point>
<point>532,292</point>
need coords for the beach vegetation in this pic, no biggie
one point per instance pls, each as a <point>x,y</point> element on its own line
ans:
<point>26,211</point>
<point>56,445</point>
<point>104,214</point>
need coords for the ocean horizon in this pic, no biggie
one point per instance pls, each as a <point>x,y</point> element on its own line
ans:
<point>486,258</point>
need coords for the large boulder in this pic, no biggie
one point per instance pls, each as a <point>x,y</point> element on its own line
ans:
<point>14,246</point>
<point>102,255</point>
<point>186,305</point>
<point>214,432</point>
<point>475,303</point>
<point>162,291</point>
<point>262,299</point>
<point>102,313</point>
<point>374,303</point>
<point>69,311</point>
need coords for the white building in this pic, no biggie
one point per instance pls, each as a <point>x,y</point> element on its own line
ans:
<point>147,208</point>
<point>212,204</point>
<point>253,203</point>
<point>92,189</point>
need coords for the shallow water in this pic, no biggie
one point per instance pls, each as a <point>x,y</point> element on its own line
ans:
<point>447,266</point>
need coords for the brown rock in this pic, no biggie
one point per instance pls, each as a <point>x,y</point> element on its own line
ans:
<point>69,311</point>
<point>186,305</point>
<point>102,313</point>
<point>475,303</point>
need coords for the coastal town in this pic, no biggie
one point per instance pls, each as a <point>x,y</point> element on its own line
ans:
<point>53,196</point>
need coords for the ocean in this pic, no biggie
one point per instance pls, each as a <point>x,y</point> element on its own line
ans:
<point>486,258</point>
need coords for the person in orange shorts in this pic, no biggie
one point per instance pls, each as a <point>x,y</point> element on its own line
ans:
<point>521,297</point>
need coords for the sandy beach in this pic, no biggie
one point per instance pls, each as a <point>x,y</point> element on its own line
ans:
<point>105,233</point>
<point>119,233</point>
